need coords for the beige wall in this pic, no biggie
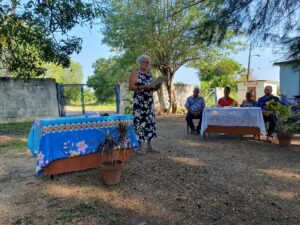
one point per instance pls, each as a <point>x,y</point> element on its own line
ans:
<point>23,100</point>
<point>182,92</point>
<point>260,86</point>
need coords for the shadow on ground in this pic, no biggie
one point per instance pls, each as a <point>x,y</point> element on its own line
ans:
<point>219,180</point>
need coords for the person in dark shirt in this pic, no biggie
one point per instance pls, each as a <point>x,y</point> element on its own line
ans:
<point>268,116</point>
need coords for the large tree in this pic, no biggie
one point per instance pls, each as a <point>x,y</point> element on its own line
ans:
<point>107,73</point>
<point>161,29</point>
<point>34,32</point>
<point>220,72</point>
<point>274,21</point>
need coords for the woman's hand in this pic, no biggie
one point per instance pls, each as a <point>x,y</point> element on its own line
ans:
<point>196,114</point>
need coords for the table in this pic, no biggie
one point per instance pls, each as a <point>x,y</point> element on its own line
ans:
<point>234,120</point>
<point>67,144</point>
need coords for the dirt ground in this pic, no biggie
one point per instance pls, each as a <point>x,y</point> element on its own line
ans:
<point>220,180</point>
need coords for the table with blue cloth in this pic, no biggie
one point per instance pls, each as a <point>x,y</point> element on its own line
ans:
<point>52,139</point>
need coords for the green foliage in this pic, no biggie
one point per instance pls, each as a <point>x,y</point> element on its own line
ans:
<point>107,73</point>
<point>34,32</point>
<point>283,113</point>
<point>71,75</point>
<point>142,27</point>
<point>260,19</point>
<point>162,30</point>
<point>219,71</point>
<point>15,128</point>
<point>76,211</point>
<point>89,96</point>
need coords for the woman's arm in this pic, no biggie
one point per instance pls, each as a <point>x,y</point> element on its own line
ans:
<point>132,83</point>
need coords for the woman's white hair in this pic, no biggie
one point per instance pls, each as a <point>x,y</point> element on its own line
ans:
<point>142,58</point>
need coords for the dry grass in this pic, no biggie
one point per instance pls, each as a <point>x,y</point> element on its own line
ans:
<point>93,107</point>
<point>220,180</point>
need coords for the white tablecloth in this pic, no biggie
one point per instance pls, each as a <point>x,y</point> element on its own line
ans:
<point>236,116</point>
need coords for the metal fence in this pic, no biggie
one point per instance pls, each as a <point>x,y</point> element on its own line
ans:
<point>83,99</point>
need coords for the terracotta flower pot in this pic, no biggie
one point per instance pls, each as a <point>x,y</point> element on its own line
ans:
<point>285,140</point>
<point>111,174</point>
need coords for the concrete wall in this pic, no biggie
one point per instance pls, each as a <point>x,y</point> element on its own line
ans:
<point>289,80</point>
<point>242,89</point>
<point>125,97</point>
<point>259,85</point>
<point>274,86</point>
<point>182,92</point>
<point>23,100</point>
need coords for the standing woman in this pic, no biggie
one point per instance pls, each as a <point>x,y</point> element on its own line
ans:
<point>143,103</point>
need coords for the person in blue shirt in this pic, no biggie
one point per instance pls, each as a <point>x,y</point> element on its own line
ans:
<point>268,116</point>
<point>195,105</point>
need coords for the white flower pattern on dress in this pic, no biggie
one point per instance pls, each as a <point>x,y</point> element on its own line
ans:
<point>143,110</point>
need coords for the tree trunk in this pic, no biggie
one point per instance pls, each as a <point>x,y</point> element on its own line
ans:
<point>160,95</point>
<point>171,94</point>
<point>174,103</point>
<point>168,72</point>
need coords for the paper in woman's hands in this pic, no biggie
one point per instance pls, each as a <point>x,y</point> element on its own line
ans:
<point>158,81</point>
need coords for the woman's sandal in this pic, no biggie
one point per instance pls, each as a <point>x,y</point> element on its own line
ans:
<point>153,149</point>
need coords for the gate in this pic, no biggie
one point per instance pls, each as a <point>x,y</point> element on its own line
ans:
<point>84,99</point>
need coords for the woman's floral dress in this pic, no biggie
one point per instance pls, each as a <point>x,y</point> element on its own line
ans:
<point>143,109</point>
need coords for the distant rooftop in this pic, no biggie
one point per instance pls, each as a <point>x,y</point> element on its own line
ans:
<point>249,81</point>
<point>294,61</point>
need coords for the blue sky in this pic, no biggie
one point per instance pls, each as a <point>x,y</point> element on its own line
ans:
<point>93,49</point>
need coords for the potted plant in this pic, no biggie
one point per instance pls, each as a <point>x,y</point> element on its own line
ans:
<point>284,125</point>
<point>111,166</point>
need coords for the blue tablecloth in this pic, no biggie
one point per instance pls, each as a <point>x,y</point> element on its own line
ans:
<point>63,137</point>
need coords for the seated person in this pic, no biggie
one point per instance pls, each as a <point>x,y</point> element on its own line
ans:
<point>249,102</point>
<point>268,116</point>
<point>226,100</point>
<point>195,105</point>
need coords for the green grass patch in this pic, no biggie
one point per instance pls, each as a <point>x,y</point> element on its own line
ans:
<point>76,212</point>
<point>114,218</point>
<point>80,211</point>
<point>13,139</point>
<point>14,143</point>
<point>13,146</point>
<point>92,107</point>
<point>15,128</point>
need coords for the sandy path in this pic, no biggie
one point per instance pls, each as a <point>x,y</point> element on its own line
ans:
<point>219,180</point>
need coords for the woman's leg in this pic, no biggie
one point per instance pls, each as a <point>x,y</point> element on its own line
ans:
<point>141,149</point>
<point>150,147</point>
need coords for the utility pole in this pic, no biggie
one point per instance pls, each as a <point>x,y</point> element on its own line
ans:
<point>249,60</point>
